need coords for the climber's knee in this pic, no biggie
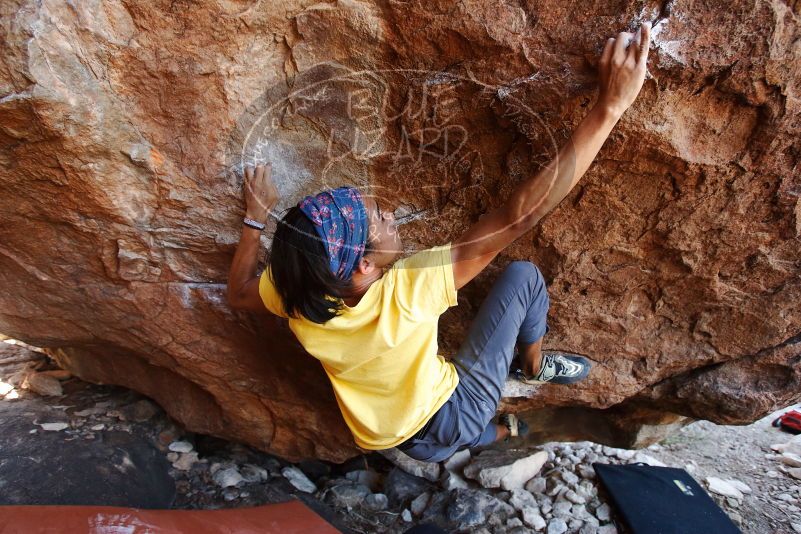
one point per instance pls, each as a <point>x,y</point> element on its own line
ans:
<point>525,272</point>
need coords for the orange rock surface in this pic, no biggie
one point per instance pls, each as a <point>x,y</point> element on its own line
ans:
<point>675,265</point>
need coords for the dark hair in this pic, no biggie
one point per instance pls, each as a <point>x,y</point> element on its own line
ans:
<point>299,266</point>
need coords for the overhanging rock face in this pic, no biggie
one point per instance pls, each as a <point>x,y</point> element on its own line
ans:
<point>675,264</point>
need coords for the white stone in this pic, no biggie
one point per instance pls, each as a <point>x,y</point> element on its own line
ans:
<point>536,485</point>
<point>586,471</point>
<point>376,502</point>
<point>607,529</point>
<point>574,497</point>
<point>226,478</point>
<point>575,524</point>
<point>795,472</point>
<point>523,470</point>
<point>796,527</point>
<point>100,426</point>
<point>254,473</point>
<point>453,481</point>
<point>557,526</point>
<point>546,505</point>
<point>791,447</point>
<point>298,479</point>
<point>591,520</point>
<point>457,462</point>
<point>721,487</point>
<point>585,493</point>
<point>406,515</point>
<point>647,459</point>
<point>513,522</point>
<point>570,478</point>
<point>522,499</point>
<point>54,427</point>
<point>579,511</point>
<point>742,486</point>
<point>428,470</point>
<point>185,461</point>
<point>625,454</point>
<point>562,509</point>
<point>793,460</point>
<point>533,519</point>
<point>181,446</point>
<point>506,469</point>
<point>603,512</point>
<point>418,505</point>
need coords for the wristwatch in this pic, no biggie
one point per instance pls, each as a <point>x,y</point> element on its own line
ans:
<point>253,224</point>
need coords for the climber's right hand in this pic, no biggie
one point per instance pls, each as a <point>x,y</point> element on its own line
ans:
<point>622,69</point>
<point>261,195</point>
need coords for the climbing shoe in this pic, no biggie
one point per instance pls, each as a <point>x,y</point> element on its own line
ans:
<point>558,368</point>
<point>517,427</point>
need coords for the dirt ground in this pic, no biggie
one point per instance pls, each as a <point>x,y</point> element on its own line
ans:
<point>742,453</point>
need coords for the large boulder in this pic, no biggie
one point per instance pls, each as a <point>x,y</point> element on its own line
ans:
<point>674,265</point>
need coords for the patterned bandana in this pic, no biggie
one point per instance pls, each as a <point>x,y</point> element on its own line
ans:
<point>340,220</point>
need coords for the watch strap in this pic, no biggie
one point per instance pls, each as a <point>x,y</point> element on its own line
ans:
<point>253,224</point>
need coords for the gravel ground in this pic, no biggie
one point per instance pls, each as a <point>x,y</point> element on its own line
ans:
<point>114,428</point>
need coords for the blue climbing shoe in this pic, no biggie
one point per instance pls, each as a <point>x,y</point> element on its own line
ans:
<point>558,368</point>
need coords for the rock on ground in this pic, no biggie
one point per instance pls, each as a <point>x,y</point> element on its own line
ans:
<point>508,469</point>
<point>226,478</point>
<point>296,477</point>
<point>401,487</point>
<point>428,470</point>
<point>723,487</point>
<point>43,384</point>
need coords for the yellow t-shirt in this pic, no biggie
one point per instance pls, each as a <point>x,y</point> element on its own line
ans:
<point>381,355</point>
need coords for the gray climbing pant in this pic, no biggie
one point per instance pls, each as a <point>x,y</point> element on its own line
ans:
<point>514,312</point>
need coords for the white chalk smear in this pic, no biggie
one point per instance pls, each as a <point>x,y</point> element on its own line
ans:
<point>672,48</point>
<point>290,175</point>
<point>120,524</point>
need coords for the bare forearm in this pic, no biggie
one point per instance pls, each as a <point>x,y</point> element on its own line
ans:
<point>261,196</point>
<point>538,195</point>
<point>243,267</point>
<point>621,73</point>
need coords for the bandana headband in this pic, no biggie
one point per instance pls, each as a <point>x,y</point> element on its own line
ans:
<point>340,220</point>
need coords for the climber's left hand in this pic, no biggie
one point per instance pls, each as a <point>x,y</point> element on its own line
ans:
<point>261,195</point>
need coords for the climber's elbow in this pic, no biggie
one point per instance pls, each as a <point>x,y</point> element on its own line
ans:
<point>234,297</point>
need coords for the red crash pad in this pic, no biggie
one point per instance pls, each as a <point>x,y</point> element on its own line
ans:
<point>285,518</point>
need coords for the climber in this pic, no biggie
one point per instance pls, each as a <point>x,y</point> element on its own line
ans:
<point>371,318</point>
